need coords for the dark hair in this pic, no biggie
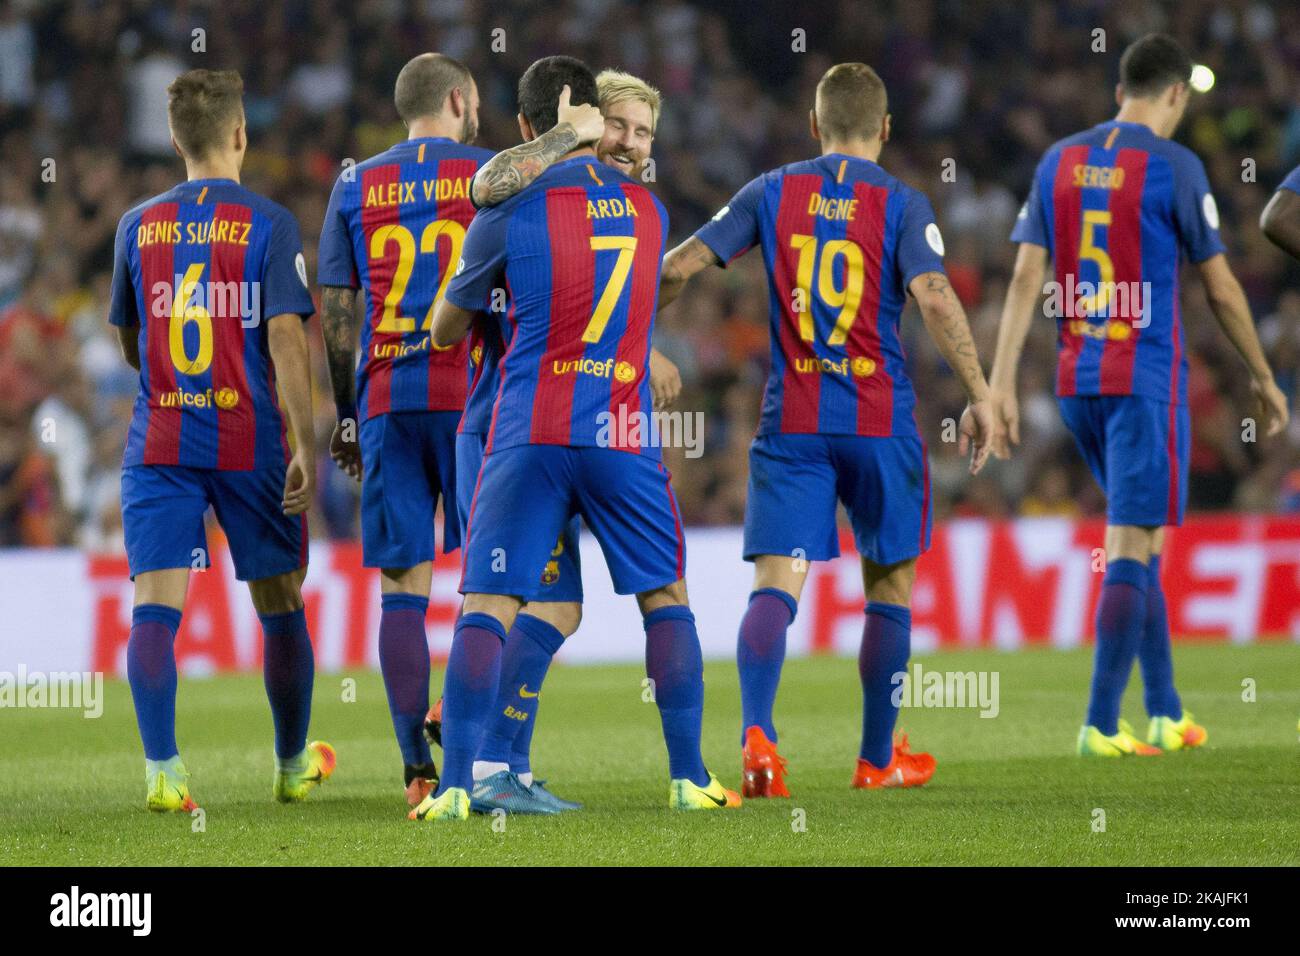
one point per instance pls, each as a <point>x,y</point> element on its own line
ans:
<point>203,107</point>
<point>851,103</point>
<point>425,83</point>
<point>1152,64</point>
<point>540,86</point>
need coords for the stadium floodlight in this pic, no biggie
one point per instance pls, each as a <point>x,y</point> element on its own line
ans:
<point>1202,78</point>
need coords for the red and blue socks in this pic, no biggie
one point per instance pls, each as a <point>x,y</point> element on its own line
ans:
<point>288,669</point>
<point>674,663</point>
<point>404,663</point>
<point>886,646</point>
<point>760,652</point>
<point>151,672</point>
<point>1155,654</point>
<point>1121,619</point>
<point>529,648</point>
<point>469,690</point>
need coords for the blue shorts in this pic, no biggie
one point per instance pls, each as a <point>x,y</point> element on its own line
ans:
<point>796,480</point>
<point>1138,449</point>
<point>527,494</point>
<point>562,578</point>
<point>162,518</point>
<point>408,460</point>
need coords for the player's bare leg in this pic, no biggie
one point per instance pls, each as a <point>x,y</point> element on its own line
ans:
<point>760,654</point>
<point>503,777</point>
<point>675,668</point>
<point>404,665</point>
<point>289,670</point>
<point>886,646</point>
<point>151,670</point>
<point>1122,613</point>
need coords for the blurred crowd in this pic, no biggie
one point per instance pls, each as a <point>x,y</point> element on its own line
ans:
<point>978,89</point>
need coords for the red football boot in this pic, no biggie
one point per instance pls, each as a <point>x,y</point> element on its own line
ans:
<point>765,769</point>
<point>905,769</point>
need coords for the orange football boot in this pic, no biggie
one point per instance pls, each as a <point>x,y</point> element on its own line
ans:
<point>433,725</point>
<point>905,769</point>
<point>765,769</point>
<point>420,782</point>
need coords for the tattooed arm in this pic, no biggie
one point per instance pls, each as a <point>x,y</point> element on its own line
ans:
<point>510,170</point>
<point>945,320</point>
<point>680,264</point>
<point>338,319</point>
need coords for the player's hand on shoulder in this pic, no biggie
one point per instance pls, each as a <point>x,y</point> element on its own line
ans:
<point>977,433</point>
<point>665,380</point>
<point>586,119</point>
<point>1006,413</point>
<point>1272,407</point>
<point>299,482</point>
<point>345,450</point>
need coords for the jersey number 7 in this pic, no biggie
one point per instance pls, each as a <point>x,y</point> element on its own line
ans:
<point>626,246</point>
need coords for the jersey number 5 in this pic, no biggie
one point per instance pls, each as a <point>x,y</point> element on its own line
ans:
<point>846,300</point>
<point>1088,249</point>
<point>391,321</point>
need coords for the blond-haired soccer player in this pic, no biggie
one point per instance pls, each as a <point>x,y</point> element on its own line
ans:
<point>845,243</point>
<point>629,112</point>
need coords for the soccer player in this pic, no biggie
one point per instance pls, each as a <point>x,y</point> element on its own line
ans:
<point>1116,207</point>
<point>394,230</point>
<point>579,252</point>
<point>503,775</point>
<point>209,296</point>
<point>1280,221</point>
<point>844,243</point>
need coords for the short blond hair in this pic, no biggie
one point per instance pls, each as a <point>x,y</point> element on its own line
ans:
<point>615,86</point>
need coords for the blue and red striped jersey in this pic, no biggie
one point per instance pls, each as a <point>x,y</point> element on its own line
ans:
<point>201,269</point>
<point>841,239</point>
<point>487,343</point>
<point>1118,207</point>
<point>578,253</point>
<point>395,227</point>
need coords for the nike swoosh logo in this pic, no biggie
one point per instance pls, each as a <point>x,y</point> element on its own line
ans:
<point>523,691</point>
<point>720,801</point>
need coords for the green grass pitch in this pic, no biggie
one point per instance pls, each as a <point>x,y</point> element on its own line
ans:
<point>1008,790</point>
